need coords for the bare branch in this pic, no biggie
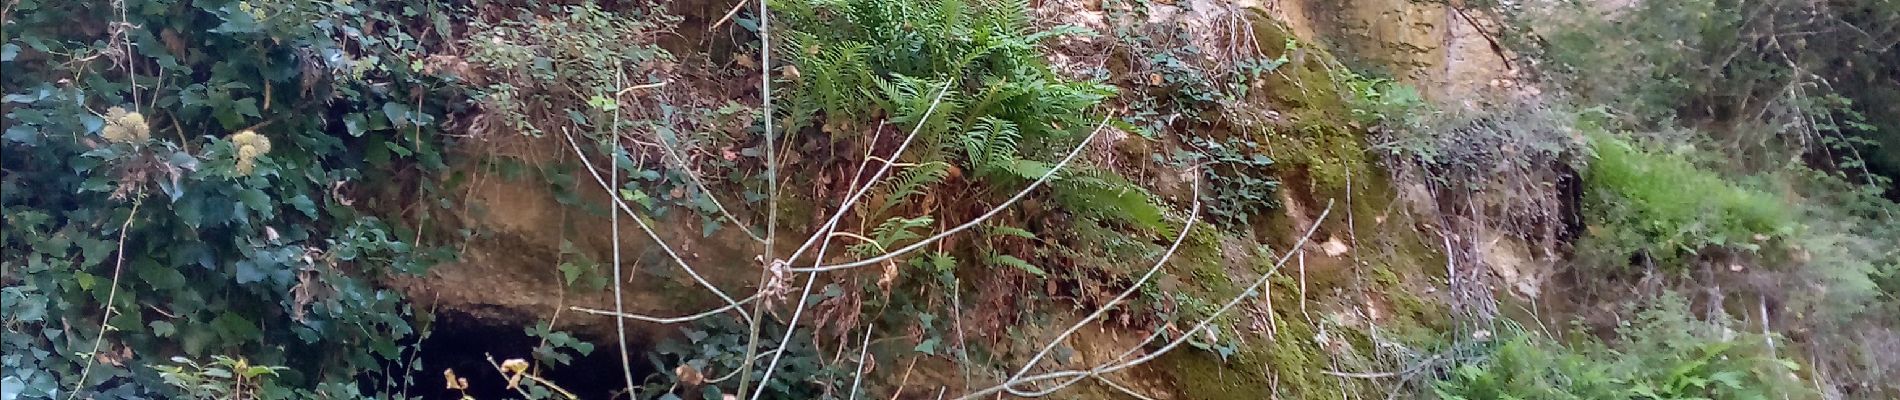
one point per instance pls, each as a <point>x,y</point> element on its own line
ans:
<point>863,351</point>
<point>667,320</point>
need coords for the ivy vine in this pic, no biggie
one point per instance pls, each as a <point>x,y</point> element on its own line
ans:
<point>206,180</point>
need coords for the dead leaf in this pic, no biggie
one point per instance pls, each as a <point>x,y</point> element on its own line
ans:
<point>688,375</point>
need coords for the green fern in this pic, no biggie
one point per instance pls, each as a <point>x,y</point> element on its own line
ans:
<point>1098,194</point>
<point>1005,230</point>
<point>889,234</point>
<point>911,182</point>
<point>1018,263</point>
<point>991,144</point>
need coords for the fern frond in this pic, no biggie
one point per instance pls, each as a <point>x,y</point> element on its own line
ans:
<point>910,182</point>
<point>898,229</point>
<point>1101,194</point>
<point>889,234</point>
<point>1006,230</point>
<point>908,98</point>
<point>1018,263</point>
<point>991,143</point>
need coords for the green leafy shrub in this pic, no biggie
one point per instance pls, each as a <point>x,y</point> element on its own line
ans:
<point>1662,354</point>
<point>1723,65</point>
<point>196,179</point>
<point>1661,205</point>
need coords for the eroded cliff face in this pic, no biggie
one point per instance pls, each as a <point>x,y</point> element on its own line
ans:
<point>524,227</point>
<point>1372,276</point>
<point>1450,54</point>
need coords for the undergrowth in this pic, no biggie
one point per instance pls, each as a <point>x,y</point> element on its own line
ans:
<point>868,71</point>
<point>1661,206</point>
<point>1663,353</point>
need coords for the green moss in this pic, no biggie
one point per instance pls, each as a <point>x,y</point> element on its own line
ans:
<point>1290,366</point>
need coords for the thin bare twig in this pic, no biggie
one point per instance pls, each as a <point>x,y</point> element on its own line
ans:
<point>112,294</point>
<point>620,324</point>
<point>668,320</point>
<point>1116,365</point>
<point>1194,213</point>
<point>644,227</point>
<point>1046,176</point>
<point>864,350</point>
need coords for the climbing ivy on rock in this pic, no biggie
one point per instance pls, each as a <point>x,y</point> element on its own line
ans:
<point>199,179</point>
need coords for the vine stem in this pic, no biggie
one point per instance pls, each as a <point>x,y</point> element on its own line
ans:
<point>112,294</point>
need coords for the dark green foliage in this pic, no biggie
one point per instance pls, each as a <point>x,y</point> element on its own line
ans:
<point>209,240</point>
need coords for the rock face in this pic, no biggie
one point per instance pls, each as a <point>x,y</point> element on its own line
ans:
<point>525,227</point>
<point>1449,54</point>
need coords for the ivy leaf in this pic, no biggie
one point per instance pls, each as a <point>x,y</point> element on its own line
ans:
<point>8,52</point>
<point>236,21</point>
<point>398,149</point>
<point>249,272</point>
<point>163,329</point>
<point>23,134</point>
<point>93,123</point>
<point>929,346</point>
<point>302,203</point>
<point>246,107</point>
<point>255,199</point>
<point>356,124</point>
<point>236,328</point>
<point>397,113</point>
<point>570,272</point>
<point>160,277</point>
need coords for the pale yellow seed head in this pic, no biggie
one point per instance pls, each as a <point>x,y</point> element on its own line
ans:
<point>125,127</point>
<point>249,145</point>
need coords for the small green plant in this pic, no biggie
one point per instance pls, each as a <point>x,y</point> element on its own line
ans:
<point>1237,176</point>
<point>1382,101</point>
<point>223,378</point>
